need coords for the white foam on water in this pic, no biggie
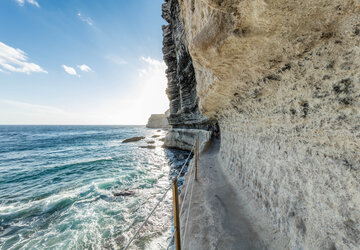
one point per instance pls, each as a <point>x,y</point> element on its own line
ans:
<point>86,214</point>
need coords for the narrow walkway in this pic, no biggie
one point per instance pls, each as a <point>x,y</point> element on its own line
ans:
<point>219,217</point>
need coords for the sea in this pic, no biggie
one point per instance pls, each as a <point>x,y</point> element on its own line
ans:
<point>57,186</point>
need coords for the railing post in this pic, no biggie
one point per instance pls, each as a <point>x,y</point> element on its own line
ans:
<point>196,156</point>
<point>176,215</point>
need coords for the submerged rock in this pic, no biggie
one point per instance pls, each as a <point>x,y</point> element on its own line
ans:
<point>148,146</point>
<point>133,139</point>
<point>124,193</point>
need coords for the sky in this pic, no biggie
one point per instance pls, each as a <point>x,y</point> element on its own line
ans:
<point>81,61</point>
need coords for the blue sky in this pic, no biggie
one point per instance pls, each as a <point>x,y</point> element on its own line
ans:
<point>81,61</point>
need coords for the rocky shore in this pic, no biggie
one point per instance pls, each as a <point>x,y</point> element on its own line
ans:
<point>176,156</point>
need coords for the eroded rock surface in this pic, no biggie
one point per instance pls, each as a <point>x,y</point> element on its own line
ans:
<point>181,91</point>
<point>282,79</point>
<point>157,121</point>
<point>180,73</point>
<point>185,138</point>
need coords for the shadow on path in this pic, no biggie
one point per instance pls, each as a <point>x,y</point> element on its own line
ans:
<point>216,217</point>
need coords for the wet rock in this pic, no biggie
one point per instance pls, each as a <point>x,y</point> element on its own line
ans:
<point>133,139</point>
<point>125,193</point>
<point>181,157</point>
<point>180,181</point>
<point>151,142</point>
<point>176,162</point>
<point>148,146</point>
<point>155,136</point>
<point>179,164</point>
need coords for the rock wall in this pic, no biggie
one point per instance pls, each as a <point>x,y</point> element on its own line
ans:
<point>282,79</point>
<point>158,121</point>
<point>181,90</point>
<point>185,138</point>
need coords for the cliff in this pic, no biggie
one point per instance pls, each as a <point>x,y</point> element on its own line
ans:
<point>282,79</point>
<point>158,121</point>
<point>181,90</point>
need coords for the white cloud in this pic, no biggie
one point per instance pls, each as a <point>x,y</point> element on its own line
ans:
<point>69,70</point>
<point>15,60</point>
<point>84,68</point>
<point>151,61</point>
<point>145,96</point>
<point>85,19</point>
<point>153,64</point>
<point>33,2</point>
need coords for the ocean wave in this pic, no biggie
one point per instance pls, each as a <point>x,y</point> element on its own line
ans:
<point>88,165</point>
<point>62,195</point>
<point>48,203</point>
<point>26,211</point>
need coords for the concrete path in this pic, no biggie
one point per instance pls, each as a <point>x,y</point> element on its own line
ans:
<point>219,217</point>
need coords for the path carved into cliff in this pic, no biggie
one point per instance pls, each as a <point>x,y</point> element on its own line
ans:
<point>220,217</point>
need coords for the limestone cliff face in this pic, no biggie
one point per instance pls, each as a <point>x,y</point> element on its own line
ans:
<point>282,78</point>
<point>185,138</point>
<point>158,121</point>
<point>184,112</point>
<point>181,90</point>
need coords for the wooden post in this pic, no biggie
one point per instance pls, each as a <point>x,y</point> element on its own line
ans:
<point>196,156</point>
<point>176,215</point>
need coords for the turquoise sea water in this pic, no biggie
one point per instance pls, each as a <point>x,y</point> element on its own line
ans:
<point>57,186</point>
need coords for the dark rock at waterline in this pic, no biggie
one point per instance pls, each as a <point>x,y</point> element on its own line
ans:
<point>181,181</point>
<point>162,139</point>
<point>124,193</point>
<point>181,157</point>
<point>155,136</point>
<point>151,142</point>
<point>148,146</point>
<point>178,164</point>
<point>134,139</point>
<point>159,130</point>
